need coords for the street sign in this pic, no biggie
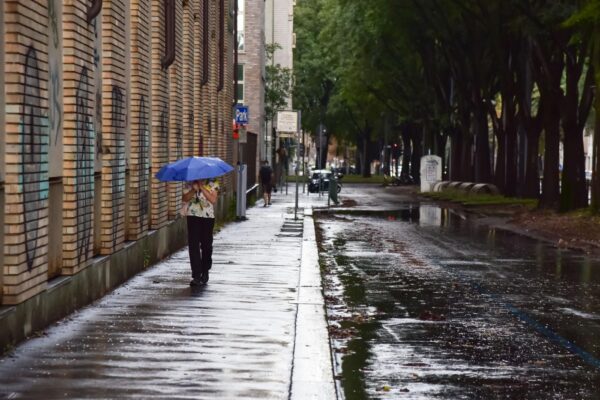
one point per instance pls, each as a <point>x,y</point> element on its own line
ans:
<point>241,115</point>
<point>287,121</point>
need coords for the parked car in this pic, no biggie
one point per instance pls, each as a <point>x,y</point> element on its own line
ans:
<point>319,180</point>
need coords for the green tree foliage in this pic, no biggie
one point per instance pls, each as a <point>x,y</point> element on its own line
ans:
<point>587,22</point>
<point>278,84</point>
<point>507,82</point>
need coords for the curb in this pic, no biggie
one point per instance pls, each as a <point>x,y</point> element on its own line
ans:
<point>312,374</point>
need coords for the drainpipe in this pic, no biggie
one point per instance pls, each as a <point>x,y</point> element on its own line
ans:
<point>94,10</point>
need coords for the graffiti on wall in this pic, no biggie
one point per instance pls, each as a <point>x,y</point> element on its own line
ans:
<point>33,179</point>
<point>118,160</point>
<point>143,161</point>
<point>164,127</point>
<point>84,164</point>
<point>96,26</point>
<point>55,109</point>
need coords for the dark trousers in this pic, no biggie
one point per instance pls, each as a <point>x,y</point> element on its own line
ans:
<point>200,241</point>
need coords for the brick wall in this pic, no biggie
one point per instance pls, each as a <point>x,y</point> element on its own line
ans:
<point>78,137</point>
<point>25,224</point>
<point>114,114</point>
<point>139,117</point>
<point>2,143</point>
<point>198,87</point>
<point>159,153</point>
<point>176,112</point>
<point>108,114</point>
<point>190,15</point>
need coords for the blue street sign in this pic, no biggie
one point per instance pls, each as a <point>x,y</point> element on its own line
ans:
<point>241,115</point>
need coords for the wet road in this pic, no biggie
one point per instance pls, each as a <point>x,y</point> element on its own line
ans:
<point>426,303</point>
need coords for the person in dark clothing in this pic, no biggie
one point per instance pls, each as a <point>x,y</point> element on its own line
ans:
<point>266,181</point>
<point>200,214</point>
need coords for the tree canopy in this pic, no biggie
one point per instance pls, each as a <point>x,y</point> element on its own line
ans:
<point>499,89</point>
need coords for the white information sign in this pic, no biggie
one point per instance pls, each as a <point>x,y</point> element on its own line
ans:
<point>431,172</point>
<point>287,121</point>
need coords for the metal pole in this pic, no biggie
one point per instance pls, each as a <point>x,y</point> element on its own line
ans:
<point>303,155</point>
<point>297,164</point>
<point>283,166</point>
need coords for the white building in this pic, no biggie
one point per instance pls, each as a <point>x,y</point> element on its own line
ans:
<point>279,29</point>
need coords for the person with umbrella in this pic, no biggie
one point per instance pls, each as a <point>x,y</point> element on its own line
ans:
<point>199,197</point>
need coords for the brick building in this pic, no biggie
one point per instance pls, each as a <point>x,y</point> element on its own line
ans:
<point>95,97</point>
<point>251,68</point>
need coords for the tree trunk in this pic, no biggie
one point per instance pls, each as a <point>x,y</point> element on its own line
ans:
<point>406,152</point>
<point>596,153</point>
<point>366,167</point>
<point>573,191</point>
<point>511,159</point>
<point>466,165</point>
<point>531,187</point>
<point>456,155</point>
<point>551,66</point>
<point>415,162</point>
<point>596,150</point>
<point>530,123</point>
<point>482,147</point>
<point>550,187</point>
<point>506,167</point>
<point>500,171</point>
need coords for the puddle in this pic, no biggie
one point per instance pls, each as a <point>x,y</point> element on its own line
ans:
<point>462,311</point>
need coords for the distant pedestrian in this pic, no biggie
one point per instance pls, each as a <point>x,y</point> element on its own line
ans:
<point>199,203</point>
<point>266,181</point>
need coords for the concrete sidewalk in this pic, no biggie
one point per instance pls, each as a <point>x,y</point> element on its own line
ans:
<point>256,331</point>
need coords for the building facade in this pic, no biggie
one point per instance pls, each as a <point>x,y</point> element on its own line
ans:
<point>251,67</point>
<point>96,96</point>
<point>279,31</point>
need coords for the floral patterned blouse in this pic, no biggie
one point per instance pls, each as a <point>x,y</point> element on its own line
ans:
<point>199,206</point>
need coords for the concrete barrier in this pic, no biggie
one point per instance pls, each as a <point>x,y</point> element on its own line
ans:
<point>439,186</point>
<point>485,188</point>
<point>466,186</point>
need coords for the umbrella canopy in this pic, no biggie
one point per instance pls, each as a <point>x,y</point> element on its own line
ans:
<point>192,168</point>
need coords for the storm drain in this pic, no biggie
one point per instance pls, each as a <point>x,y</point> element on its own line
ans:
<point>292,228</point>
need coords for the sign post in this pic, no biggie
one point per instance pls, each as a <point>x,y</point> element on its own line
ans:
<point>241,115</point>
<point>297,163</point>
<point>239,124</point>
<point>288,126</point>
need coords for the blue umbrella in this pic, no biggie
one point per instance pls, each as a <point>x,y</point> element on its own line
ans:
<point>192,168</point>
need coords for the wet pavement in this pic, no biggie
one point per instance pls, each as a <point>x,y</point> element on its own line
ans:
<point>235,338</point>
<point>427,303</point>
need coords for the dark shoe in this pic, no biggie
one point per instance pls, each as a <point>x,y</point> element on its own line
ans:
<point>204,278</point>
<point>195,282</point>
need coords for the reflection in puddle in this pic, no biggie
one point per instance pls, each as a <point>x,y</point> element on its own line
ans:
<point>453,302</point>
